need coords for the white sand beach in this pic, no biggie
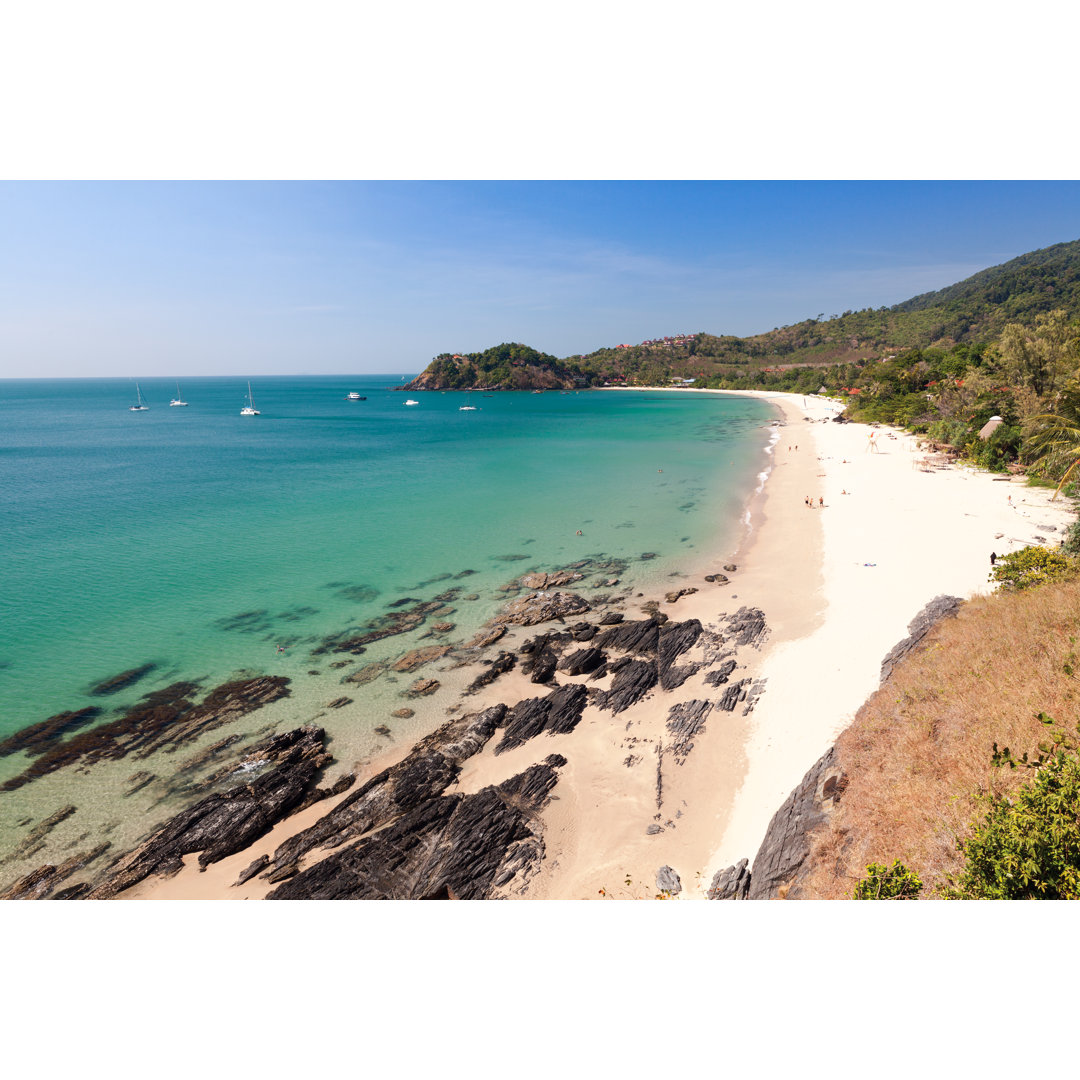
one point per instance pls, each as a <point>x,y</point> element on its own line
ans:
<point>838,584</point>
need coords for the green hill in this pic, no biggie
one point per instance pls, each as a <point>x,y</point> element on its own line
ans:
<point>971,311</point>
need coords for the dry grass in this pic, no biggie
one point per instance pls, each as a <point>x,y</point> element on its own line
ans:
<point>918,752</point>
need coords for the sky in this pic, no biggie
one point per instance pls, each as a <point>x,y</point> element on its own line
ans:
<point>174,278</point>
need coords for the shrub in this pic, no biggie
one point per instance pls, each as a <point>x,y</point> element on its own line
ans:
<point>895,882</point>
<point>1031,566</point>
<point>1028,846</point>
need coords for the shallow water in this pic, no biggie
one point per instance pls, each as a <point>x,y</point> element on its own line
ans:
<point>203,542</point>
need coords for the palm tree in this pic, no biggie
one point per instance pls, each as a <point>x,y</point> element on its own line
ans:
<point>1055,441</point>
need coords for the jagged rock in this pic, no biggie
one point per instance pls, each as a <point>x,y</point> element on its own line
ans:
<point>281,873</point>
<point>639,636</point>
<point>383,730</point>
<point>227,822</point>
<point>543,657</point>
<point>368,673</point>
<point>786,845</point>
<point>583,631</point>
<point>403,714</point>
<point>557,714</point>
<point>652,830</point>
<point>422,687</point>
<point>685,720</point>
<point>122,681</point>
<point>432,765</point>
<point>542,607</point>
<point>747,627</point>
<point>941,607</point>
<point>338,787</point>
<point>611,618</point>
<point>539,581</point>
<point>733,695</point>
<point>668,881</point>
<point>384,626</point>
<point>415,658</point>
<point>464,846</point>
<point>721,674</point>
<point>730,884</point>
<point>487,636</point>
<point>672,641</point>
<point>630,684</point>
<point>256,867</point>
<point>502,663</point>
<point>165,720</point>
<point>38,884</point>
<point>582,661</point>
<point>677,594</point>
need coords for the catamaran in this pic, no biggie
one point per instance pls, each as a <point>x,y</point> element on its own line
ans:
<point>249,409</point>
<point>140,407</point>
<point>178,400</point>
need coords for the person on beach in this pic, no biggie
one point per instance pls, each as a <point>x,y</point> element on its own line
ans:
<point>993,557</point>
<point>821,500</point>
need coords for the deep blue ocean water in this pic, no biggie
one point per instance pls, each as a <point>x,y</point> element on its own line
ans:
<point>202,541</point>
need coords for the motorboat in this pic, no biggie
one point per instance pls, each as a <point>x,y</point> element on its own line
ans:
<point>411,402</point>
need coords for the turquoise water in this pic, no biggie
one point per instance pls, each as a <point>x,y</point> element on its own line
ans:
<point>133,538</point>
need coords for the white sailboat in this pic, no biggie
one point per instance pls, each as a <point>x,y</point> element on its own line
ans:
<point>467,407</point>
<point>249,409</point>
<point>178,400</point>
<point>140,407</point>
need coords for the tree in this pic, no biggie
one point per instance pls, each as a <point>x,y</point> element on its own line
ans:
<point>894,882</point>
<point>1039,358</point>
<point>1030,566</point>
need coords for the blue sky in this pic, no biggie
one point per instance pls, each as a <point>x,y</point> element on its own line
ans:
<point>178,278</point>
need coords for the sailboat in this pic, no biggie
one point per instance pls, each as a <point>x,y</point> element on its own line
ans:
<point>140,407</point>
<point>178,400</point>
<point>249,409</point>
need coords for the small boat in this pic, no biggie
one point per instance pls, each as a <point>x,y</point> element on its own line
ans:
<point>467,407</point>
<point>352,395</point>
<point>249,409</point>
<point>178,400</point>
<point>140,407</point>
<point>411,402</point>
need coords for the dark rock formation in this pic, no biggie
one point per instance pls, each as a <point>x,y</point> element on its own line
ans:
<point>422,687</point>
<point>227,822</point>
<point>787,840</point>
<point>677,594</point>
<point>38,884</point>
<point>747,627</point>
<point>639,636</point>
<point>630,684</point>
<point>721,674</point>
<point>37,738</point>
<point>684,721</point>
<point>582,661</point>
<point>610,618</point>
<point>543,656</point>
<point>254,868</point>
<point>488,635</point>
<point>384,626</point>
<point>542,607</point>
<point>556,714</point>
<point>122,681</point>
<point>462,846</point>
<point>733,695</point>
<point>941,607</point>
<point>502,663</point>
<point>730,884</point>
<point>583,631</point>
<point>673,640</point>
<point>160,723</point>
<point>429,769</point>
<point>339,703</point>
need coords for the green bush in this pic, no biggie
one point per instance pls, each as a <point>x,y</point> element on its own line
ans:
<point>1031,566</point>
<point>1028,846</point>
<point>895,882</point>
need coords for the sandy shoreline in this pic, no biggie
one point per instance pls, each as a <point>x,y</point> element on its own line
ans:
<point>838,585</point>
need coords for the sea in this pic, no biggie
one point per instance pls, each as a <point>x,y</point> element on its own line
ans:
<point>199,544</point>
